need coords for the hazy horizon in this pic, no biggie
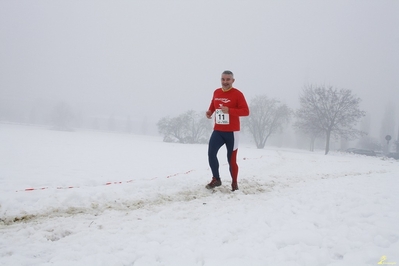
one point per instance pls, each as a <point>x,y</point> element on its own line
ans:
<point>157,58</point>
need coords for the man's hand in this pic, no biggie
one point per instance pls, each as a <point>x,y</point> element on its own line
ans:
<point>208,114</point>
<point>225,109</point>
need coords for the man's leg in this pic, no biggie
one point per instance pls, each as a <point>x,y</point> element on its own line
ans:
<point>215,142</point>
<point>232,149</point>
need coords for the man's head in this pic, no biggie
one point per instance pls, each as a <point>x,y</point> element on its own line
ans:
<point>227,80</point>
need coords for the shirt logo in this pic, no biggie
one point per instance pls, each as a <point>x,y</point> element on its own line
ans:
<point>223,100</point>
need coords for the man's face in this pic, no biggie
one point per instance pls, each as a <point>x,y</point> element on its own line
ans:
<point>227,81</point>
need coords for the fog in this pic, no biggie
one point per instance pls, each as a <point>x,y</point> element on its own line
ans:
<point>149,59</point>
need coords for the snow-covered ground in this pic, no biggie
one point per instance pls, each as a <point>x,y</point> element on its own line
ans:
<point>96,198</point>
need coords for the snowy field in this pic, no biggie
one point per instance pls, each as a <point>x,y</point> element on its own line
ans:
<point>96,198</point>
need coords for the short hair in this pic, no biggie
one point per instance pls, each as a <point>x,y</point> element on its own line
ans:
<point>228,72</point>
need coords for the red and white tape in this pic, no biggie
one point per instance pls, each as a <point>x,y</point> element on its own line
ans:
<point>121,182</point>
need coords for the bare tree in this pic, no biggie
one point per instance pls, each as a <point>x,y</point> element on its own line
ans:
<point>309,127</point>
<point>129,125</point>
<point>329,110</point>
<point>62,117</point>
<point>196,127</point>
<point>112,123</point>
<point>95,124</point>
<point>189,127</point>
<point>267,117</point>
<point>171,128</point>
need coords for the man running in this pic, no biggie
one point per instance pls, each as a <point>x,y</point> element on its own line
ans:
<point>228,104</point>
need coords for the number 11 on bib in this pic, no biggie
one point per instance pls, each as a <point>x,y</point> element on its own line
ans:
<point>221,118</point>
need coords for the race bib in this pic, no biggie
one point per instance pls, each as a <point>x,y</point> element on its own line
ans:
<point>221,118</point>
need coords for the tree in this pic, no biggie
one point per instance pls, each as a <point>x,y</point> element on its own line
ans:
<point>329,110</point>
<point>95,124</point>
<point>196,127</point>
<point>62,117</point>
<point>189,127</point>
<point>171,128</point>
<point>309,126</point>
<point>129,125</point>
<point>111,123</point>
<point>33,115</point>
<point>267,117</point>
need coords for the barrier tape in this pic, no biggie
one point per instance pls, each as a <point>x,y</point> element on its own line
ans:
<point>122,182</point>
<point>118,182</point>
<point>43,188</point>
<point>185,173</point>
<point>260,157</point>
<point>106,184</point>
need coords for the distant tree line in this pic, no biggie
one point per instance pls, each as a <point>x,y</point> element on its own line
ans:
<point>62,116</point>
<point>324,112</point>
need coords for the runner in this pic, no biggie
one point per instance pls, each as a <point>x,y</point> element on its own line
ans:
<point>228,104</point>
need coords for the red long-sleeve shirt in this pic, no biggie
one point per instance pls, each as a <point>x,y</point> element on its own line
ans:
<point>235,101</point>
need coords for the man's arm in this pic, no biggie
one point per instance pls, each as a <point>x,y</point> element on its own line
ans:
<point>242,108</point>
<point>211,108</point>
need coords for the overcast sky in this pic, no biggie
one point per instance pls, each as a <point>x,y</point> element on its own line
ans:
<point>161,57</point>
